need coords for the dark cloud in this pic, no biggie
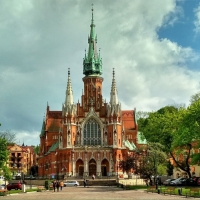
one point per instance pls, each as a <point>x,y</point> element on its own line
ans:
<point>40,40</point>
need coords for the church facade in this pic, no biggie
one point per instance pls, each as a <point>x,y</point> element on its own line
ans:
<point>92,136</point>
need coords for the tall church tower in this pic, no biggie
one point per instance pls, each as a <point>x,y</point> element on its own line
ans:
<point>89,137</point>
<point>92,69</point>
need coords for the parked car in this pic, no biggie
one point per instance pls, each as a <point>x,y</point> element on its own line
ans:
<point>179,181</point>
<point>71,183</point>
<point>31,177</point>
<point>2,187</point>
<point>16,177</point>
<point>167,182</point>
<point>194,181</point>
<point>15,186</point>
<point>2,180</point>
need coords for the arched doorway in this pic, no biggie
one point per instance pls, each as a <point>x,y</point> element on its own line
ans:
<point>79,167</point>
<point>92,167</point>
<point>104,167</point>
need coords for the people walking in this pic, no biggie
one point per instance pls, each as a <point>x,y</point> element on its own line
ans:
<point>93,176</point>
<point>54,185</point>
<point>57,185</point>
<point>147,183</point>
<point>84,182</point>
<point>61,185</point>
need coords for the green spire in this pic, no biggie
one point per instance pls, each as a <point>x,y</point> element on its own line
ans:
<point>43,128</point>
<point>92,63</point>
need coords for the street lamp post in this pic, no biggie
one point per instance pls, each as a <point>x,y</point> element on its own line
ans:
<point>30,178</point>
<point>117,167</point>
<point>153,157</point>
<point>56,165</point>
<point>155,170</point>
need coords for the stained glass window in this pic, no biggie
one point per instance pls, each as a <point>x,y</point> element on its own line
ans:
<point>92,133</point>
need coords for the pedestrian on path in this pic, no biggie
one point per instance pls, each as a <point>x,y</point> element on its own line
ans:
<point>54,185</point>
<point>84,182</point>
<point>61,185</point>
<point>57,185</point>
<point>147,183</point>
<point>93,176</point>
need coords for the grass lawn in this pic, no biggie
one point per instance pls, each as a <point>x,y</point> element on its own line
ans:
<point>20,191</point>
<point>177,191</point>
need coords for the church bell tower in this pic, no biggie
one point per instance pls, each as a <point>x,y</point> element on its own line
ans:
<point>92,69</point>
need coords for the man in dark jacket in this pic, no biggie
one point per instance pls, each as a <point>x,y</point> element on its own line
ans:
<point>84,182</point>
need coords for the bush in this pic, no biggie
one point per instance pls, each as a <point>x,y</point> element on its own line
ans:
<point>3,193</point>
<point>47,184</point>
<point>136,187</point>
<point>119,185</point>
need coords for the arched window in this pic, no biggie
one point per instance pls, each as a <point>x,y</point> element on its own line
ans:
<point>91,133</point>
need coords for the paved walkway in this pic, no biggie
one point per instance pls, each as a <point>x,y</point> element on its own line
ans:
<point>91,193</point>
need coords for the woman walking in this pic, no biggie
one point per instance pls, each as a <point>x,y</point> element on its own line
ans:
<point>57,185</point>
<point>54,185</point>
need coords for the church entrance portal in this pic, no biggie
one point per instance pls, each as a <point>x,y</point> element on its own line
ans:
<point>79,167</point>
<point>104,167</point>
<point>92,167</point>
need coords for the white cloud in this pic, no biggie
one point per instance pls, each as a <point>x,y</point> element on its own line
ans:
<point>28,138</point>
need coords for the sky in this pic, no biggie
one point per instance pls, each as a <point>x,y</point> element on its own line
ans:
<point>153,45</point>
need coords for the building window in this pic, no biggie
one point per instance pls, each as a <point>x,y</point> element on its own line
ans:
<point>91,133</point>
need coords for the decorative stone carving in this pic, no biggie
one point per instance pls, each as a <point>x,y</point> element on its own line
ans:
<point>115,138</point>
<point>105,138</point>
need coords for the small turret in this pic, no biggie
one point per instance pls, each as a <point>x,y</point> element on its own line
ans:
<point>69,108</point>
<point>114,107</point>
<point>113,93</point>
<point>43,128</point>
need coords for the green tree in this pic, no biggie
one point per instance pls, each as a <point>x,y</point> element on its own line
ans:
<point>146,162</point>
<point>37,149</point>
<point>195,98</point>
<point>154,159</point>
<point>160,125</point>
<point>162,169</point>
<point>187,136</point>
<point>169,169</point>
<point>127,164</point>
<point>141,114</point>
<point>176,129</point>
<point>3,152</point>
<point>8,135</point>
<point>7,173</point>
<point>3,158</point>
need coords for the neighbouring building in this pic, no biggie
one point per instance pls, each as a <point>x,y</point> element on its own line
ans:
<point>194,168</point>
<point>91,136</point>
<point>21,159</point>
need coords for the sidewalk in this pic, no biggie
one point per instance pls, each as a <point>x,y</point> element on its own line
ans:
<point>91,193</point>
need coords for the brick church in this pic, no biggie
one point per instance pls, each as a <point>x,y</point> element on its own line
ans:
<point>91,136</point>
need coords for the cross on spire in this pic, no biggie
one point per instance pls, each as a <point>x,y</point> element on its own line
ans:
<point>68,72</point>
<point>92,13</point>
<point>113,73</point>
